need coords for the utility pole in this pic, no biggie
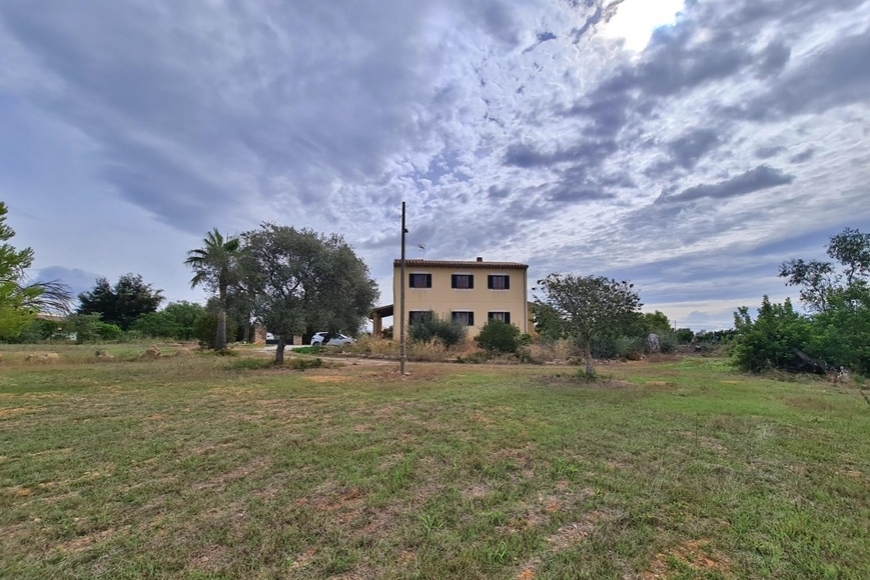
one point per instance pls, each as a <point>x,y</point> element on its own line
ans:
<point>402,353</point>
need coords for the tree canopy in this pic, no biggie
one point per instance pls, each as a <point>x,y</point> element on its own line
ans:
<point>588,307</point>
<point>122,303</point>
<point>301,281</point>
<point>837,330</point>
<point>819,281</point>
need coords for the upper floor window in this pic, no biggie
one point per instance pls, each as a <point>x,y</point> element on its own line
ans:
<point>503,316</point>
<point>420,280</point>
<point>465,317</point>
<point>498,282</point>
<point>462,281</point>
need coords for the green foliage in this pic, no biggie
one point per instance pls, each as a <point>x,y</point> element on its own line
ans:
<point>90,328</point>
<point>770,340</point>
<point>655,322</point>
<point>122,303</point>
<point>819,281</point>
<point>498,336</point>
<point>156,325</point>
<point>432,327</point>
<point>300,364</point>
<point>215,266</point>
<point>842,332</point>
<point>15,313</point>
<point>184,315</point>
<point>590,306</point>
<point>684,335</point>
<point>300,280</point>
<point>547,322</point>
<point>205,330</point>
<point>837,333</point>
<point>178,321</point>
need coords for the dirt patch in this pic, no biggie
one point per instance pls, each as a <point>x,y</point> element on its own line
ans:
<point>83,543</point>
<point>304,559</point>
<point>211,558</point>
<point>476,491</point>
<point>16,411</point>
<point>17,491</point>
<point>574,533</point>
<point>696,554</point>
<point>327,378</point>
<point>704,441</point>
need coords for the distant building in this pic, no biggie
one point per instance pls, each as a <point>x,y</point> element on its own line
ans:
<point>469,292</point>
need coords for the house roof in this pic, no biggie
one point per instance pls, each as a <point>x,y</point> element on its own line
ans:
<point>460,264</point>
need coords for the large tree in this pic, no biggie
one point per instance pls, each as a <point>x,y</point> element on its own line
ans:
<point>588,307</point>
<point>300,280</point>
<point>820,281</point>
<point>122,303</point>
<point>214,266</point>
<point>21,300</point>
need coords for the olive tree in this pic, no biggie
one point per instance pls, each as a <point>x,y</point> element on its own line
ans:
<point>588,307</point>
<point>299,279</point>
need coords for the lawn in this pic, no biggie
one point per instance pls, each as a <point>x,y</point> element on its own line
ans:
<point>204,467</point>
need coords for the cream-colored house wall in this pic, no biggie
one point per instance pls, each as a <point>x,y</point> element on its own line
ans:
<point>443,300</point>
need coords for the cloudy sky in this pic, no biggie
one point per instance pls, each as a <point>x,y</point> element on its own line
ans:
<point>689,147</point>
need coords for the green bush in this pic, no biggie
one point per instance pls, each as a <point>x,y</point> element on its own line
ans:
<point>300,364</point>
<point>629,347</point>
<point>205,329</point>
<point>770,340</point>
<point>498,336</point>
<point>448,332</point>
<point>157,325</point>
<point>107,332</point>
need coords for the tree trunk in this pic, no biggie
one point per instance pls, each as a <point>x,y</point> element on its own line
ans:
<point>588,351</point>
<point>279,351</point>
<point>220,341</point>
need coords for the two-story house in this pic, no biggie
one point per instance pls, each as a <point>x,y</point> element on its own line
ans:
<point>470,292</point>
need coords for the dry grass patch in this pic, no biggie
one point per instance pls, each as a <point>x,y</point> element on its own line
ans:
<point>696,555</point>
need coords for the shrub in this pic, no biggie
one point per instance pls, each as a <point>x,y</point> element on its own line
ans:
<point>448,332</point>
<point>205,329</point>
<point>498,336</point>
<point>629,347</point>
<point>771,339</point>
<point>300,364</point>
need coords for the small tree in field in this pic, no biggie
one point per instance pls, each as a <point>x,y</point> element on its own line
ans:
<point>589,306</point>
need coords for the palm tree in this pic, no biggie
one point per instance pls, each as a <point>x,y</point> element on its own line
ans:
<point>214,267</point>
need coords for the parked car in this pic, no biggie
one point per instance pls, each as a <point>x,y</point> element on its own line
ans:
<point>329,339</point>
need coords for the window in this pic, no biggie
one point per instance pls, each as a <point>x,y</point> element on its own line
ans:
<point>466,317</point>
<point>420,280</point>
<point>503,316</point>
<point>418,316</point>
<point>462,281</point>
<point>499,282</point>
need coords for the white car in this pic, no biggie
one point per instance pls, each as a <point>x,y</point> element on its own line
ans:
<point>329,339</point>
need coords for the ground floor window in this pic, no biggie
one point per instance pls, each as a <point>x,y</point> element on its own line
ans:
<point>503,316</point>
<point>418,316</point>
<point>465,317</point>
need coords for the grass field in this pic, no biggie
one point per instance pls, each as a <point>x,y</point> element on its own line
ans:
<point>202,467</point>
